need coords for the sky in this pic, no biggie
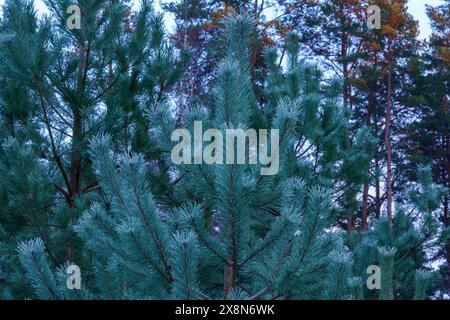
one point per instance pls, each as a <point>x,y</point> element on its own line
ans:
<point>415,7</point>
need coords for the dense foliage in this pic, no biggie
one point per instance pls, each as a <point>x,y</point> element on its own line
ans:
<point>87,179</point>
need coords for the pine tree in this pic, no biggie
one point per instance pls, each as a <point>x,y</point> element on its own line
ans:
<point>371,86</point>
<point>227,231</point>
<point>62,86</point>
<point>334,31</point>
<point>405,247</point>
<point>89,177</point>
<point>427,138</point>
<point>198,28</point>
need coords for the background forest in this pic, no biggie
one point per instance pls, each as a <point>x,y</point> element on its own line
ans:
<point>86,178</point>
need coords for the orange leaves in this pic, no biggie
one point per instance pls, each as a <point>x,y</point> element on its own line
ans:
<point>222,13</point>
<point>438,19</point>
<point>208,25</point>
<point>389,31</point>
<point>283,30</point>
<point>267,41</point>
<point>375,46</point>
<point>441,32</point>
<point>274,22</point>
<point>217,16</point>
<point>444,52</point>
<point>396,17</point>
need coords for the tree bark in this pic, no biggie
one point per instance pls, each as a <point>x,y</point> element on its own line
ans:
<point>350,225</point>
<point>343,57</point>
<point>77,129</point>
<point>377,177</point>
<point>229,277</point>
<point>386,135</point>
<point>447,223</point>
<point>365,207</point>
<point>75,163</point>
<point>446,199</point>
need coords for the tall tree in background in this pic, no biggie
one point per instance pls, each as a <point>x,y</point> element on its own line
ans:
<point>395,16</point>
<point>198,25</point>
<point>440,60</point>
<point>336,33</point>
<point>331,30</point>
<point>195,31</point>
<point>427,136</point>
<point>380,80</point>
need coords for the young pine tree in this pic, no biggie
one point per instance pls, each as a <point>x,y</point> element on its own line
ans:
<point>225,230</point>
<point>60,86</point>
<point>406,249</point>
<point>156,229</point>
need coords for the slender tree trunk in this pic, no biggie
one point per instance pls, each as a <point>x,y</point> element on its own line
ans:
<point>377,193</point>
<point>346,93</point>
<point>231,268</point>
<point>75,164</point>
<point>365,207</point>
<point>77,130</point>
<point>447,223</point>
<point>377,170</point>
<point>446,199</point>
<point>350,225</point>
<point>344,40</point>
<point>343,57</point>
<point>229,277</point>
<point>386,135</point>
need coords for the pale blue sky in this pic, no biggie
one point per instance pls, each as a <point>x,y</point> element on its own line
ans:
<point>415,7</point>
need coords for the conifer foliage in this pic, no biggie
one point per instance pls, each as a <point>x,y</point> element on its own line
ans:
<point>87,176</point>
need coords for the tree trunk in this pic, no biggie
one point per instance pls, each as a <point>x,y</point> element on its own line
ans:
<point>350,226</point>
<point>386,135</point>
<point>75,163</point>
<point>365,207</point>
<point>229,277</point>
<point>77,129</point>
<point>446,199</point>
<point>447,223</point>
<point>377,177</point>
<point>344,56</point>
